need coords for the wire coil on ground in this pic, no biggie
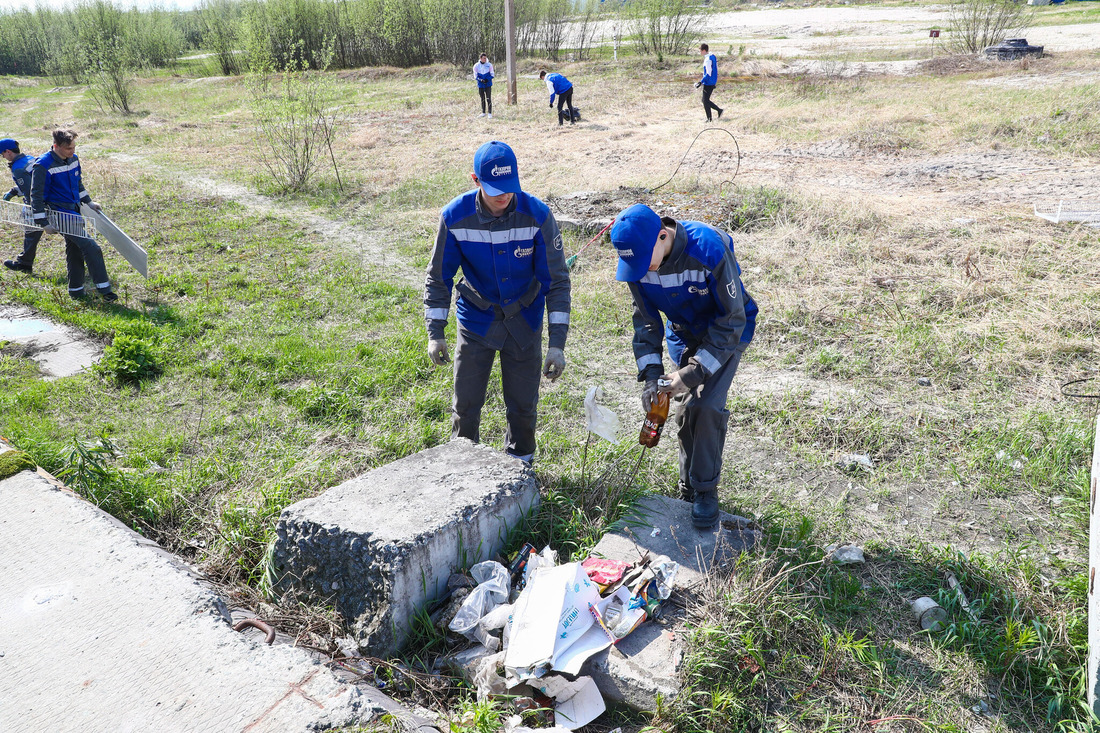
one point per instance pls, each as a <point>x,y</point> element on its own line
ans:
<point>706,129</point>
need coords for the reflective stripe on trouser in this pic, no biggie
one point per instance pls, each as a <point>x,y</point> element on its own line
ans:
<point>30,247</point>
<point>79,250</point>
<point>703,420</point>
<point>520,373</point>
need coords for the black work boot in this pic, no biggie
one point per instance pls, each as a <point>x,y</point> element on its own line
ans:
<point>686,492</point>
<point>704,510</point>
<point>17,266</point>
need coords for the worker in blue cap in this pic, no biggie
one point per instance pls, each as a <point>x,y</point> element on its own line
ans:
<point>20,165</point>
<point>509,248</point>
<point>687,272</point>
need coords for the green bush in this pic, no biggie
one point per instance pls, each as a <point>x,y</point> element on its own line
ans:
<point>129,358</point>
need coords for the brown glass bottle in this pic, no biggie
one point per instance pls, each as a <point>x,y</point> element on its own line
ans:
<point>654,421</point>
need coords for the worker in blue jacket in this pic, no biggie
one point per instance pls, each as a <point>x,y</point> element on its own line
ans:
<point>687,271</point>
<point>509,248</point>
<point>483,72</point>
<point>56,186</point>
<point>20,165</point>
<point>709,80</point>
<point>563,88</point>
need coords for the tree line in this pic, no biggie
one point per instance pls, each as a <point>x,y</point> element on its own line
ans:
<point>96,37</point>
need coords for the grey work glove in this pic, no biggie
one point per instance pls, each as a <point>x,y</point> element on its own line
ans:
<point>673,384</point>
<point>94,206</point>
<point>649,394</point>
<point>437,351</point>
<point>9,196</point>
<point>554,364</point>
<point>50,229</point>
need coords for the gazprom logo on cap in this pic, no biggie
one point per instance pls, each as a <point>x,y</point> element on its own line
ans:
<point>626,253</point>
<point>501,170</point>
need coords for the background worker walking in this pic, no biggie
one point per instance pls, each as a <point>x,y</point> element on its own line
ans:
<point>509,248</point>
<point>563,88</point>
<point>483,72</point>
<point>56,185</point>
<point>709,80</point>
<point>687,271</point>
<point>20,165</point>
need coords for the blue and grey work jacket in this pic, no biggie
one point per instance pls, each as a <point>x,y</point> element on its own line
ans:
<point>710,71</point>
<point>698,288</point>
<point>484,74</point>
<point>56,184</point>
<point>557,84</point>
<point>21,174</point>
<point>513,267</point>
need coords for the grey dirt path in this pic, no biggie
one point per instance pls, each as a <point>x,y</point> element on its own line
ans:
<point>100,630</point>
<point>369,244</point>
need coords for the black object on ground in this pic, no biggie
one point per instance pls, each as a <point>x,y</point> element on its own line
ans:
<point>1012,48</point>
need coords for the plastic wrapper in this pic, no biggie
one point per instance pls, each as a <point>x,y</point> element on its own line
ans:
<point>601,421</point>
<point>491,591</point>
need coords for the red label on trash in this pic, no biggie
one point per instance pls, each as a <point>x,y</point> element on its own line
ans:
<point>603,571</point>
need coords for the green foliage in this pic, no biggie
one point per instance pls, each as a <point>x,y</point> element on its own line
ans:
<point>130,359</point>
<point>478,717</point>
<point>665,27</point>
<point>751,209</point>
<point>14,461</point>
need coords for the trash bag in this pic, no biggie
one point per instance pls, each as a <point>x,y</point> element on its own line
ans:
<point>601,421</point>
<point>491,591</point>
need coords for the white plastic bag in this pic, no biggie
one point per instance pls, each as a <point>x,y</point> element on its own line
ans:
<point>491,591</point>
<point>601,421</point>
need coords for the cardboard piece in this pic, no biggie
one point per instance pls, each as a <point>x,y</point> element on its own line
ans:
<point>128,248</point>
<point>576,702</point>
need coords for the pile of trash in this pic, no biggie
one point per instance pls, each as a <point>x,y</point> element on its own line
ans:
<point>536,622</point>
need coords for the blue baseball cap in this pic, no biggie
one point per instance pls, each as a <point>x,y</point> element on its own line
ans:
<point>8,144</point>
<point>634,236</point>
<point>495,166</point>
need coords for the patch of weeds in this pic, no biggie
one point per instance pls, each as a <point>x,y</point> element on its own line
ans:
<point>752,209</point>
<point>475,716</point>
<point>129,359</point>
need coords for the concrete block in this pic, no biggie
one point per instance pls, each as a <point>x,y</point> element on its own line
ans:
<point>381,546</point>
<point>648,661</point>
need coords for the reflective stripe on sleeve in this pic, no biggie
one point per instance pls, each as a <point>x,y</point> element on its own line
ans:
<point>559,317</point>
<point>708,361</point>
<point>649,359</point>
<point>436,314</point>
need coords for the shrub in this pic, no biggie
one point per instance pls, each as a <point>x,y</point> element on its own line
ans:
<point>129,358</point>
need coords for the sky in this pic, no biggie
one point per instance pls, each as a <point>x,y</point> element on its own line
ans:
<point>6,5</point>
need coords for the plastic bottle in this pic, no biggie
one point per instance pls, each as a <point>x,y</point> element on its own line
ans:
<point>654,421</point>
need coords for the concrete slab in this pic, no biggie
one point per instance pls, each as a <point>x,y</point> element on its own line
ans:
<point>647,662</point>
<point>104,631</point>
<point>382,545</point>
<point>60,350</point>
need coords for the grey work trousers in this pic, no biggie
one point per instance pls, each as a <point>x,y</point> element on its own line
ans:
<point>520,375</point>
<point>703,420</point>
<point>30,247</point>
<point>79,250</point>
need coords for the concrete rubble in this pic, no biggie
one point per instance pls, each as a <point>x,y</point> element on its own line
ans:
<point>381,546</point>
<point>105,631</point>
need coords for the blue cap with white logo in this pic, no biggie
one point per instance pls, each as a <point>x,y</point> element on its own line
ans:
<point>8,144</point>
<point>634,236</point>
<point>495,167</point>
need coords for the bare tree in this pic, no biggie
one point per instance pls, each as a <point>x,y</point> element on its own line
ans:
<point>976,24</point>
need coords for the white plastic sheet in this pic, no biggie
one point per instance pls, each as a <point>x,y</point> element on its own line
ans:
<point>601,421</point>
<point>491,592</point>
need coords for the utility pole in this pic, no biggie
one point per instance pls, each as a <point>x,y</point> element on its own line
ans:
<point>510,47</point>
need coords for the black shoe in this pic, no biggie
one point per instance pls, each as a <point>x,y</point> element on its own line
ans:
<point>108,296</point>
<point>720,113</point>
<point>77,295</point>
<point>704,510</point>
<point>686,492</point>
<point>17,266</point>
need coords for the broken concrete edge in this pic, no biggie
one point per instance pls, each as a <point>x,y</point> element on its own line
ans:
<point>219,609</point>
<point>422,613</point>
